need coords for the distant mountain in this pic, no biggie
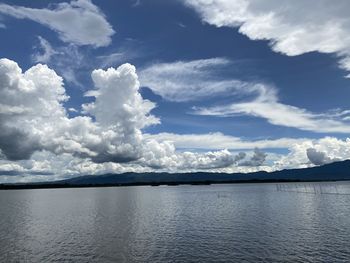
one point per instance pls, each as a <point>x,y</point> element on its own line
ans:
<point>329,172</point>
<point>336,171</point>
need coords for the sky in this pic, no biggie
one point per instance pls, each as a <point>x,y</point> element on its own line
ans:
<point>94,87</point>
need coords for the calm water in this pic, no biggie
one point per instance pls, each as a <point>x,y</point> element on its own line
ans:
<point>217,223</point>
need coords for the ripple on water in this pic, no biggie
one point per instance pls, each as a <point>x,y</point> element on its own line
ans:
<point>216,223</point>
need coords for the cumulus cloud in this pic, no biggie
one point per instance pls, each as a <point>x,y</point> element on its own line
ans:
<point>119,108</point>
<point>32,109</point>
<point>315,152</point>
<point>317,157</point>
<point>257,159</point>
<point>15,144</point>
<point>28,101</point>
<point>292,27</point>
<point>163,156</point>
<point>79,22</point>
<point>45,165</point>
<point>37,133</point>
<point>127,105</point>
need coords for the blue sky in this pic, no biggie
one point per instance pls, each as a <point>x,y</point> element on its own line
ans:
<point>234,75</point>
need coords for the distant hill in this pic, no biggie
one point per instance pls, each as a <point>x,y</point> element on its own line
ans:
<point>336,171</point>
<point>329,172</point>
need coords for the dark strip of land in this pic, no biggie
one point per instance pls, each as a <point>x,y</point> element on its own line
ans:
<point>65,185</point>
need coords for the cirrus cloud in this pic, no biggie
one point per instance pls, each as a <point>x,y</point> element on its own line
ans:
<point>266,105</point>
<point>184,81</point>
<point>188,80</point>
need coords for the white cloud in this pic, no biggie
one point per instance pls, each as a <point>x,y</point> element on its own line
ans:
<point>217,140</point>
<point>197,79</point>
<point>317,157</point>
<point>118,98</point>
<point>315,152</point>
<point>37,138</point>
<point>72,63</point>
<point>163,156</point>
<point>72,110</point>
<point>47,166</point>
<point>266,105</point>
<point>46,51</point>
<point>112,59</point>
<point>33,117</point>
<point>188,80</point>
<point>121,110</point>
<point>292,27</point>
<point>79,22</point>
<point>44,165</point>
<point>257,159</point>
<point>29,102</point>
<point>126,51</point>
<point>67,60</point>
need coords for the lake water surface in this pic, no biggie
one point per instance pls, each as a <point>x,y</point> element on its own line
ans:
<point>214,223</point>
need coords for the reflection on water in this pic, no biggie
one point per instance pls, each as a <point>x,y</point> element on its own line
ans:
<point>216,223</point>
<point>331,188</point>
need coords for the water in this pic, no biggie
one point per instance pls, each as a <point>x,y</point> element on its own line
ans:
<point>214,223</point>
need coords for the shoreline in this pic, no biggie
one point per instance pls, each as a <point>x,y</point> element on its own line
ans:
<point>153,184</point>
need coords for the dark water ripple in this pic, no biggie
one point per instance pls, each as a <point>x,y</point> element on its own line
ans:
<point>217,223</point>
